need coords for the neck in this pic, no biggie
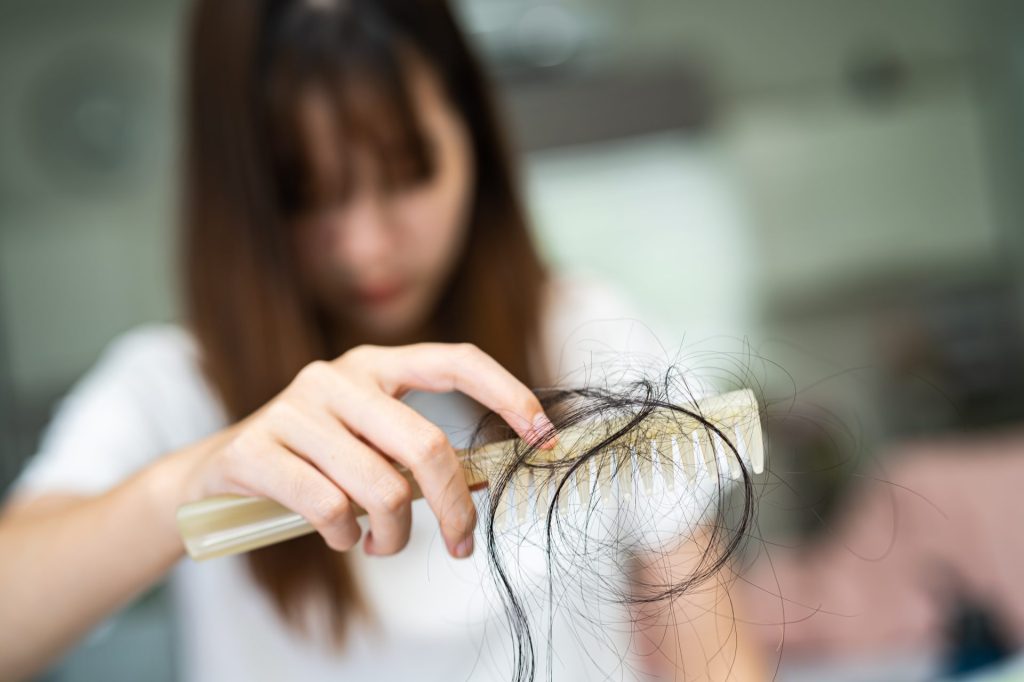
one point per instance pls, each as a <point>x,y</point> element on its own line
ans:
<point>342,337</point>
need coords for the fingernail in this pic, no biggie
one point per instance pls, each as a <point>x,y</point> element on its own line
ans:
<point>543,429</point>
<point>464,548</point>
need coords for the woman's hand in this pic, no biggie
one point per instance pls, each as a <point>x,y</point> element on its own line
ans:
<point>328,441</point>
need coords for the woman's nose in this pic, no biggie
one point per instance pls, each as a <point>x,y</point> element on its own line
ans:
<point>365,240</point>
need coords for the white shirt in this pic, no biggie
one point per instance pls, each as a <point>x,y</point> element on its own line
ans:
<point>436,618</point>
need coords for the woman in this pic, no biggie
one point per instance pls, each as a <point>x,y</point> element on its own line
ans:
<point>352,234</point>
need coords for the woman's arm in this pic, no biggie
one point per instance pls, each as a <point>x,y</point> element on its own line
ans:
<point>69,561</point>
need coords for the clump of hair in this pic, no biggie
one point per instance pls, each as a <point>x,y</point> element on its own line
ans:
<point>586,543</point>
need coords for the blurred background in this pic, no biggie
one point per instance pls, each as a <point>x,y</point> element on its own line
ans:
<point>835,186</point>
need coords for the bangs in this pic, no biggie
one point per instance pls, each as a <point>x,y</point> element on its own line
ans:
<point>340,109</point>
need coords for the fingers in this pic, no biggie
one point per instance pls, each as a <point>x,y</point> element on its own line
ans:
<point>330,407</point>
<point>366,477</point>
<point>439,368</point>
<point>405,435</point>
<point>268,468</point>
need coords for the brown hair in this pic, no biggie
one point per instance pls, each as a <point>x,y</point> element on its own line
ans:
<point>245,177</point>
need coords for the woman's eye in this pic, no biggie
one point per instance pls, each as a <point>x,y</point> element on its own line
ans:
<point>408,177</point>
<point>411,169</point>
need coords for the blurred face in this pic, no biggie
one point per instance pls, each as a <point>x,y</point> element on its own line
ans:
<point>379,260</point>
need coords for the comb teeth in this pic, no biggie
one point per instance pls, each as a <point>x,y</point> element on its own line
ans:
<point>677,451</point>
<point>702,445</point>
<point>500,513</point>
<point>646,466</point>
<point>543,481</point>
<point>563,497</point>
<point>689,459</point>
<point>604,466</point>
<point>524,483</point>
<point>666,459</point>
<point>755,444</point>
<point>622,463</point>
<point>585,482</point>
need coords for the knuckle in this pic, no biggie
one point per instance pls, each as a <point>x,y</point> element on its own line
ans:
<point>331,510</point>
<point>392,493</point>
<point>242,449</point>
<point>242,461</point>
<point>356,355</point>
<point>469,352</point>
<point>315,373</point>
<point>280,413</point>
<point>432,446</point>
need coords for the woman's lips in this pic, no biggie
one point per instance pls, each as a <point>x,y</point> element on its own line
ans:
<point>379,294</point>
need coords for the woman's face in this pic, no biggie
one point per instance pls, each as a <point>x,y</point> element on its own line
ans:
<point>379,261</point>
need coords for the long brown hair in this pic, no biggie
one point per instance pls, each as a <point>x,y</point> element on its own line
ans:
<point>245,177</point>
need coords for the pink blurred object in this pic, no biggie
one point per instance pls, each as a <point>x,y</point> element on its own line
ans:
<point>945,519</point>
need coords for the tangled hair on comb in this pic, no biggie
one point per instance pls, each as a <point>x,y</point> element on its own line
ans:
<point>583,543</point>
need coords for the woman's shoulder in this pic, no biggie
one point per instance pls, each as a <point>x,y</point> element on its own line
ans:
<point>160,360</point>
<point>158,368</point>
<point>152,343</point>
<point>159,364</point>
